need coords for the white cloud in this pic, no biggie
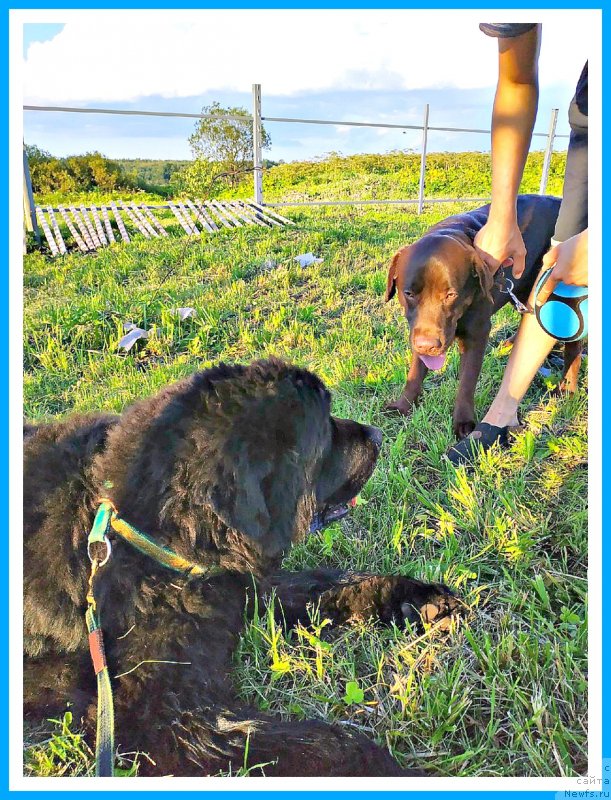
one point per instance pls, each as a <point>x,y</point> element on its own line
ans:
<point>122,56</point>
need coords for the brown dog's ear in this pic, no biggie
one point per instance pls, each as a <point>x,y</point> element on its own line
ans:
<point>486,278</point>
<point>391,280</point>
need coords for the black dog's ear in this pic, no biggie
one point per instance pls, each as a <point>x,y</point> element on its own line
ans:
<point>237,497</point>
<point>486,278</point>
<point>391,280</point>
<point>257,446</point>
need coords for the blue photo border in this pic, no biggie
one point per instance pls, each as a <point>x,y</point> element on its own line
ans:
<point>588,791</point>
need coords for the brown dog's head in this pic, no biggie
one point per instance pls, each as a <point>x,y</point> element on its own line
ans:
<point>436,279</point>
<point>233,463</point>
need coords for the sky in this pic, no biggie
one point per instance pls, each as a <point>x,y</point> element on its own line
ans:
<point>359,65</point>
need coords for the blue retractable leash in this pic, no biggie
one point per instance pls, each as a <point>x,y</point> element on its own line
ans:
<point>564,315</point>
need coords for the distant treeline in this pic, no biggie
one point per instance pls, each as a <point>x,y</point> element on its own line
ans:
<point>154,173</point>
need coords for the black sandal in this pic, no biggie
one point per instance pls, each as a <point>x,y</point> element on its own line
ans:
<point>481,438</point>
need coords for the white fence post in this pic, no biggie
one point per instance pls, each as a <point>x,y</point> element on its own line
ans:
<point>425,131</point>
<point>29,208</point>
<point>547,159</point>
<point>257,140</point>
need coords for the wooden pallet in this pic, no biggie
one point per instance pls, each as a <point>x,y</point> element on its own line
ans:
<point>91,227</point>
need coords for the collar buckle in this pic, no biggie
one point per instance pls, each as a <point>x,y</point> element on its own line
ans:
<point>508,289</point>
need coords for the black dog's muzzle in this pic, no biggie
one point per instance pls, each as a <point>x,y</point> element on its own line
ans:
<point>330,514</point>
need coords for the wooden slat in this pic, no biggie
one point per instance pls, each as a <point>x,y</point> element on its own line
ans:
<point>90,228</point>
<point>257,209</point>
<point>56,230</point>
<point>154,221</point>
<point>82,227</point>
<point>206,215</point>
<point>185,225</point>
<point>269,212</point>
<point>261,216</point>
<point>239,213</point>
<point>98,225</point>
<point>245,213</point>
<point>137,211</point>
<point>47,231</point>
<point>199,217</point>
<point>120,223</point>
<point>213,210</point>
<point>135,220</point>
<point>81,244</point>
<point>183,210</point>
<point>249,214</point>
<point>109,232</point>
<point>227,213</point>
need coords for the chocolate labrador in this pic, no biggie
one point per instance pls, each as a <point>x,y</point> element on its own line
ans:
<point>448,293</point>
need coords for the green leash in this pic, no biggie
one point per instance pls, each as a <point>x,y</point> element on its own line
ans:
<point>105,732</point>
<point>107,521</point>
<point>105,728</point>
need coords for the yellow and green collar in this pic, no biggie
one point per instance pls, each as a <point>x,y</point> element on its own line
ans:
<point>107,519</point>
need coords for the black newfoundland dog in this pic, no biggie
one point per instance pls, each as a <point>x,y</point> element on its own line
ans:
<point>226,468</point>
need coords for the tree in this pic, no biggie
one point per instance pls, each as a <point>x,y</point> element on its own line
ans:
<point>36,154</point>
<point>226,144</point>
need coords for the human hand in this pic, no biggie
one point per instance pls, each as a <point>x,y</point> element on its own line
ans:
<point>569,260</point>
<point>499,244</point>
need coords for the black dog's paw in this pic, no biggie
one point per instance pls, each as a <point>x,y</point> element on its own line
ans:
<point>431,603</point>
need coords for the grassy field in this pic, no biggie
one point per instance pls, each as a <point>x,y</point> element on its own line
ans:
<point>504,692</point>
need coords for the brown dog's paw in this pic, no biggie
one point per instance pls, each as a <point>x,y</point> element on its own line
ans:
<point>400,406</point>
<point>463,427</point>
<point>436,604</point>
<point>566,386</point>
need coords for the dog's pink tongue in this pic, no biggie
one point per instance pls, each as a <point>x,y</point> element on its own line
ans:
<point>433,362</point>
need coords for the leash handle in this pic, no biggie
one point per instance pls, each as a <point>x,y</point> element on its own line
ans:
<point>105,724</point>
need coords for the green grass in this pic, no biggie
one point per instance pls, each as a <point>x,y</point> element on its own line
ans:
<point>504,693</point>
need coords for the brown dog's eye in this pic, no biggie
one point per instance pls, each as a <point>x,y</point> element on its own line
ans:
<point>408,294</point>
<point>451,295</point>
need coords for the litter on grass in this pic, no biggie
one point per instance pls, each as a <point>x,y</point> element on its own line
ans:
<point>307,259</point>
<point>133,333</point>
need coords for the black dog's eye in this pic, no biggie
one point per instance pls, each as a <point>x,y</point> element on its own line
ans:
<point>451,295</point>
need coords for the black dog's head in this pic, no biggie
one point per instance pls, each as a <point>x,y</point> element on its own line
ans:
<point>436,279</point>
<point>231,465</point>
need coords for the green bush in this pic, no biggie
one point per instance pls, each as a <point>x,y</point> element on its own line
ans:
<point>75,173</point>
